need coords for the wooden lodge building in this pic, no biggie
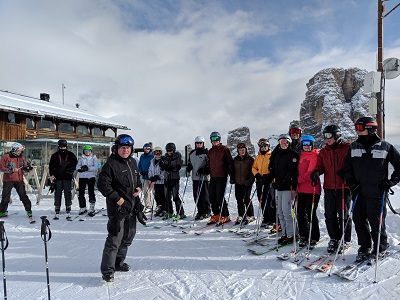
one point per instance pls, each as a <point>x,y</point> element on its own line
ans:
<point>38,124</point>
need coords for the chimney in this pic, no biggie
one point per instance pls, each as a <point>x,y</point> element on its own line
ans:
<point>45,97</point>
<point>77,105</point>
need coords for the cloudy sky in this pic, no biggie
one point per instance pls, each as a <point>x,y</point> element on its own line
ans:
<point>174,69</point>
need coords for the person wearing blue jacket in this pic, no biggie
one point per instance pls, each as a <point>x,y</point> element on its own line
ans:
<point>87,167</point>
<point>143,166</point>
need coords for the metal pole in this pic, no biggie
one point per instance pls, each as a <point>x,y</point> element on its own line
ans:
<point>380,116</point>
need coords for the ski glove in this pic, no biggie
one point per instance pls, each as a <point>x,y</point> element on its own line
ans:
<point>341,174</point>
<point>387,184</point>
<point>141,217</point>
<point>314,177</point>
<point>84,168</point>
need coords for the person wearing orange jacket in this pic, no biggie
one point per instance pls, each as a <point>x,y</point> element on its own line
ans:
<point>308,194</point>
<point>331,163</point>
<point>263,181</point>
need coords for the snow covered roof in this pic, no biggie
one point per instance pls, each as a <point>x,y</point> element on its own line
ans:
<point>35,107</point>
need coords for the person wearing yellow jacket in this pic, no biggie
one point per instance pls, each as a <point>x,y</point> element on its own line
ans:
<point>263,181</point>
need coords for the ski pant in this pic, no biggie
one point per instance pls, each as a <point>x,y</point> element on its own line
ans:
<point>284,203</point>
<point>266,198</point>
<point>159,196</point>
<point>217,193</point>
<point>146,188</point>
<point>82,187</point>
<point>305,217</point>
<point>66,186</point>
<point>171,188</point>
<point>366,215</point>
<point>116,246</point>
<point>242,194</point>
<point>6,194</point>
<point>202,196</point>
<point>334,212</point>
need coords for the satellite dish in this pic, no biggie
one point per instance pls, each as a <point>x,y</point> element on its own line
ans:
<point>391,68</point>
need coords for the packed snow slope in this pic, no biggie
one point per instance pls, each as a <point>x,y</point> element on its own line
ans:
<point>168,264</point>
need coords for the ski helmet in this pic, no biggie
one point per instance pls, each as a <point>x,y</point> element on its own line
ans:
<point>263,142</point>
<point>215,136</point>
<point>307,140</point>
<point>62,143</point>
<point>332,130</point>
<point>157,149</point>
<point>87,148</point>
<point>366,123</point>
<point>147,146</point>
<point>294,128</point>
<point>124,140</point>
<point>241,146</point>
<point>199,139</point>
<point>16,147</point>
<point>170,147</point>
<point>285,136</point>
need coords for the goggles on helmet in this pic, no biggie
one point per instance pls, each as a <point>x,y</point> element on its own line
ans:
<point>146,148</point>
<point>294,130</point>
<point>241,145</point>
<point>263,144</point>
<point>86,151</point>
<point>360,127</point>
<point>126,141</point>
<point>306,143</point>
<point>157,152</point>
<point>283,142</point>
<point>328,135</point>
<point>215,138</point>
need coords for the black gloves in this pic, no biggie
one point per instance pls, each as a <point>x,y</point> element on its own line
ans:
<point>314,177</point>
<point>341,174</point>
<point>387,184</point>
<point>52,187</point>
<point>203,170</point>
<point>154,178</point>
<point>258,177</point>
<point>28,168</point>
<point>355,189</point>
<point>144,174</point>
<point>84,168</point>
<point>141,217</point>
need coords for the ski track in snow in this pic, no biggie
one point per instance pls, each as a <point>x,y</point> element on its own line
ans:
<point>167,264</point>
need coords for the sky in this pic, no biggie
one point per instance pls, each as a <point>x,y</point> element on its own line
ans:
<point>173,70</point>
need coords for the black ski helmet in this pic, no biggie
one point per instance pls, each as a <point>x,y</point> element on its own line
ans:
<point>334,130</point>
<point>124,140</point>
<point>216,135</point>
<point>170,147</point>
<point>367,123</point>
<point>62,143</point>
<point>294,126</point>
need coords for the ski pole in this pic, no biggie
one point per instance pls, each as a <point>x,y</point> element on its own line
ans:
<point>262,212</point>
<point>182,198</point>
<point>342,239</point>
<point>45,229</point>
<point>379,233</point>
<point>343,208</point>
<point>276,219</point>
<point>3,238</point>
<point>198,196</point>
<point>311,219</point>
<point>294,218</point>
<point>247,208</point>
<point>227,203</point>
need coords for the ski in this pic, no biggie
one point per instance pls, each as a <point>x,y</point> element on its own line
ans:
<point>315,263</point>
<point>8,215</point>
<point>31,220</point>
<point>291,254</point>
<point>200,228</point>
<point>326,266</point>
<point>92,214</point>
<point>269,249</point>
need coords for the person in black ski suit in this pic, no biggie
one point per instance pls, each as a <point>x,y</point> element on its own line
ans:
<point>61,167</point>
<point>119,181</point>
<point>366,171</point>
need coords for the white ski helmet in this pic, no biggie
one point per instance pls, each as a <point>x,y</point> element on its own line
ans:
<point>17,146</point>
<point>199,139</point>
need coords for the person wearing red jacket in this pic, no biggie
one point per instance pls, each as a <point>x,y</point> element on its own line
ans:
<point>308,194</point>
<point>337,197</point>
<point>13,164</point>
<point>221,165</point>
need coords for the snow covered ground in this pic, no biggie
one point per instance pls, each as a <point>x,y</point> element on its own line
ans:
<point>168,264</point>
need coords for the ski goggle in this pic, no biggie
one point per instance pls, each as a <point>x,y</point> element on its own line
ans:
<point>86,151</point>
<point>360,127</point>
<point>328,135</point>
<point>294,130</point>
<point>157,152</point>
<point>126,141</point>
<point>306,143</point>
<point>241,146</point>
<point>263,144</point>
<point>146,148</point>
<point>215,138</point>
<point>283,142</point>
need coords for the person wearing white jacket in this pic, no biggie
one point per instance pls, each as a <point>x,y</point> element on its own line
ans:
<point>156,176</point>
<point>87,167</point>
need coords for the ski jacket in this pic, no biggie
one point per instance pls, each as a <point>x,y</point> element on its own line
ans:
<point>369,167</point>
<point>221,161</point>
<point>171,164</point>
<point>118,179</point>
<point>198,158</point>
<point>331,160</point>
<point>261,163</point>
<point>243,170</point>
<point>144,164</point>
<point>154,169</point>
<point>62,165</point>
<point>12,166</point>
<point>307,163</point>
<point>295,145</point>
<point>283,168</point>
<point>93,164</point>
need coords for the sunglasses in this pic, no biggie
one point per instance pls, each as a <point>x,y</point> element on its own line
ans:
<point>328,135</point>
<point>294,130</point>
<point>264,145</point>
<point>215,138</point>
<point>306,143</point>
<point>199,143</point>
<point>157,152</point>
<point>146,148</point>
<point>241,146</point>
<point>126,141</point>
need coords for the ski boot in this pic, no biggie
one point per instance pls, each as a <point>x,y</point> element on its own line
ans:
<point>332,246</point>
<point>363,254</point>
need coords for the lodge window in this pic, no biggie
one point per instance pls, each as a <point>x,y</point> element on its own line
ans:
<point>82,129</point>
<point>65,127</point>
<point>30,123</point>
<point>13,118</point>
<point>46,124</point>
<point>109,133</point>
<point>97,131</point>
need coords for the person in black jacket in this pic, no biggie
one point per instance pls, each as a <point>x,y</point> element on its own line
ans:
<point>366,172</point>
<point>61,167</point>
<point>283,172</point>
<point>119,181</point>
